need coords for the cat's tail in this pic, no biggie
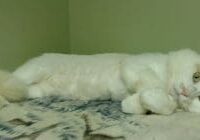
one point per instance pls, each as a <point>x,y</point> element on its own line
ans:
<point>11,88</point>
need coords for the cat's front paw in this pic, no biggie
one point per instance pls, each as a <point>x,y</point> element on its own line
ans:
<point>132,105</point>
<point>194,106</point>
<point>157,101</point>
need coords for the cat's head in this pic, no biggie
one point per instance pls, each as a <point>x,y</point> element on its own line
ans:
<point>184,79</point>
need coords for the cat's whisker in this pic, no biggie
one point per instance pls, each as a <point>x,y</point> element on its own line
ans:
<point>194,95</point>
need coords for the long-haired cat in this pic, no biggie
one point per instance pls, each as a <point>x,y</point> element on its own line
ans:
<point>155,82</point>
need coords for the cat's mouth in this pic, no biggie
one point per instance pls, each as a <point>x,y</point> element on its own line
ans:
<point>190,93</point>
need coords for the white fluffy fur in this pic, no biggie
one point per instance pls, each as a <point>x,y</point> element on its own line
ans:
<point>157,82</point>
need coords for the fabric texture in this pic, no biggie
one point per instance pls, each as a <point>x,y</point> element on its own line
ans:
<point>59,118</point>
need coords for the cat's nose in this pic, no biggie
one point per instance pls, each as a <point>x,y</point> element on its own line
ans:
<point>184,92</point>
<point>187,91</point>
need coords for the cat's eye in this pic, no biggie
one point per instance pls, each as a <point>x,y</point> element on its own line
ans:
<point>196,77</point>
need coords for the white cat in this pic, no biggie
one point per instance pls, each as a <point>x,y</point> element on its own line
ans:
<point>160,83</point>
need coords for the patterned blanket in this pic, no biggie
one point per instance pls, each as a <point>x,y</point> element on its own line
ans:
<point>59,118</point>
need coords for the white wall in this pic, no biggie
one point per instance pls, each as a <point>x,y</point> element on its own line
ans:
<point>133,25</point>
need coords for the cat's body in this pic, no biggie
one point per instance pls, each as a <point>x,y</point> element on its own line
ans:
<point>156,82</point>
<point>84,77</point>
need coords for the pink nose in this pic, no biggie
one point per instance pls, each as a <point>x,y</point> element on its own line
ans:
<point>184,91</point>
<point>185,94</point>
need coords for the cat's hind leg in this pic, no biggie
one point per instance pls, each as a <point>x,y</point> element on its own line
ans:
<point>158,101</point>
<point>11,88</point>
<point>34,91</point>
<point>132,105</point>
<point>3,102</point>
